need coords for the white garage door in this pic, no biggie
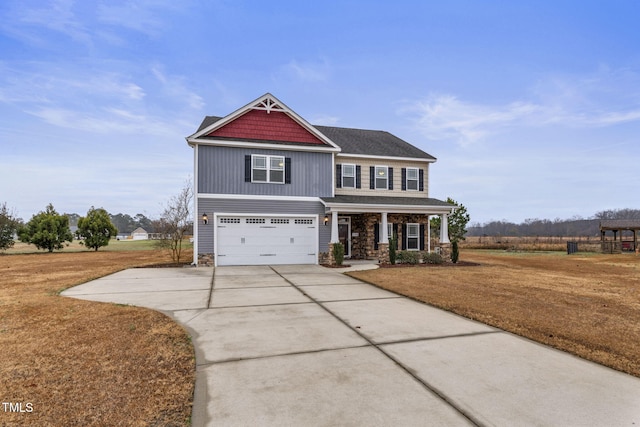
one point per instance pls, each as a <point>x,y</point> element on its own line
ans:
<point>262,240</point>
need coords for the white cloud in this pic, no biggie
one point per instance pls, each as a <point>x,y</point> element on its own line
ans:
<point>593,101</point>
<point>318,71</point>
<point>140,16</point>
<point>324,120</point>
<point>175,87</point>
<point>23,22</point>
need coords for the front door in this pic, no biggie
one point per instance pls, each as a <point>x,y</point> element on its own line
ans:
<point>344,234</point>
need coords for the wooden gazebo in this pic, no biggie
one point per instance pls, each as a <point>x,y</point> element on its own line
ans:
<point>620,242</point>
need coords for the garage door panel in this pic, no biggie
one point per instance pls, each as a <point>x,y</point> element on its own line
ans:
<point>266,240</point>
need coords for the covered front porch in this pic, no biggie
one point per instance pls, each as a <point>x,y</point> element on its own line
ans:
<point>364,224</point>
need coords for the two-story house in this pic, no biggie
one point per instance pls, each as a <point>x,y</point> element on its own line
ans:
<point>270,188</point>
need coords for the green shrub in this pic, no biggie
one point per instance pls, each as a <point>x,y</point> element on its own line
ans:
<point>338,253</point>
<point>393,243</point>
<point>432,258</point>
<point>455,253</point>
<point>408,257</point>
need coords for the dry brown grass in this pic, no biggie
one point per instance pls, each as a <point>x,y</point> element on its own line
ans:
<point>585,304</point>
<point>86,363</point>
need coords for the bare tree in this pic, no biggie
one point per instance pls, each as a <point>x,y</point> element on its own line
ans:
<point>176,221</point>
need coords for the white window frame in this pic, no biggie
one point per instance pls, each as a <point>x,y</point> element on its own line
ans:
<point>415,236</point>
<point>386,177</point>
<point>390,230</point>
<point>345,175</point>
<point>416,179</point>
<point>269,168</point>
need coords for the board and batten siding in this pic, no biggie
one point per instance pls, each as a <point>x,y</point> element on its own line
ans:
<point>221,170</point>
<point>259,207</point>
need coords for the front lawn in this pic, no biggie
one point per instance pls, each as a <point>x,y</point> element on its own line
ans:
<point>585,304</point>
<point>82,363</point>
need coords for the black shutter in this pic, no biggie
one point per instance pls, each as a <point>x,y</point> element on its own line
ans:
<point>247,168</point>
<point>390,178</point>
<point>338,176</point>
<point>287,170</point>
<point>422,237</point>
<point>395,233</point>
<point>376,235</point>
<point>421,179</point>
<point>404,237</point>
<point>404,179</point>
<point>372,178</point>
<point>358,180</point>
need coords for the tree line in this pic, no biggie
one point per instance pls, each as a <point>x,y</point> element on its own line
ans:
<point>48,230</point>
<point>573,227</point>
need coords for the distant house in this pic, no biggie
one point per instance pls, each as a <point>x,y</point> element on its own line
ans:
<point>139,234</point>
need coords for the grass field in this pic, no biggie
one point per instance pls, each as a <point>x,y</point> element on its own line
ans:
<point>114,246</point>
<point>86,363</point>
<point>586,304</point>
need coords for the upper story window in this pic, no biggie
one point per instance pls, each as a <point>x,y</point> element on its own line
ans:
<point>381,178</point>
<point>412,179</point>
<point>267,169</point>
<point>348,176</point>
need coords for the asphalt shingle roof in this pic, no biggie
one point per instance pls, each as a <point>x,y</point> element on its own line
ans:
<point>359,141</point>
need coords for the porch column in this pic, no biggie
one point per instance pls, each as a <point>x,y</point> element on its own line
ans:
<point>383,244</point>
<point>384,232</point>
<point>334,227</point>
<point>428,233</point>
<point>444,229</point>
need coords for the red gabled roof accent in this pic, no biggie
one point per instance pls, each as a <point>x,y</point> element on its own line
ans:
<point>267,126</point>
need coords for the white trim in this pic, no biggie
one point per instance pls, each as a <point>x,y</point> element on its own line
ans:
<point>195,207</point>
<point>342,165</point>
<point>347,220</point>
<point>388,158</point>
<point>268,169</point>
<point>249,215</point>
<point>413,236</point>
<point>265,145</point>
<point>257,197</point>
<point>375,177</point>
<point>355,208</point>
<point>417,180</point>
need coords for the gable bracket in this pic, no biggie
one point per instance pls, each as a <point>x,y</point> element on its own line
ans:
<point>268,105</point>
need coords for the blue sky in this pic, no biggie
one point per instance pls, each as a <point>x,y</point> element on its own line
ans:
<point>531,107</point>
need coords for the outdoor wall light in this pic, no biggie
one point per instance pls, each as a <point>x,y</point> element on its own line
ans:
<point>205,219</point>
<point>326,219</point>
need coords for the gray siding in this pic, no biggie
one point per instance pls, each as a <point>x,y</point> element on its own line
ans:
<point>266,207</point>
<point>221,171</point>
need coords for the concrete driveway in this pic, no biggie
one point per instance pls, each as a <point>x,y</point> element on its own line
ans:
<point>305,345</point>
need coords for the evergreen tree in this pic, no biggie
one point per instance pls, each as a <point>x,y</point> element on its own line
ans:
<point>457,222</point>
<point>47,230</point>
<point>8,226</point>
<point>96,228</point>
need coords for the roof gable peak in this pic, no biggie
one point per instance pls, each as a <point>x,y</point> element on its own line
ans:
<point>268,104</point>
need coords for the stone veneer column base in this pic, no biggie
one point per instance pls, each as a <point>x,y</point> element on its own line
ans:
<point>205,260</point>
<point>445,251</point>
<point>330,259</point>
<point>383,253</point>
